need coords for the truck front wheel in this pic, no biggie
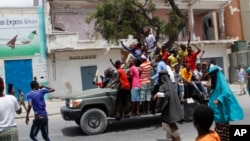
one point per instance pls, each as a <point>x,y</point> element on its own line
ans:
<point>93,121</point>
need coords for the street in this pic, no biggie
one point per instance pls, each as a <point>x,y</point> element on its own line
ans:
<point>132,129</point>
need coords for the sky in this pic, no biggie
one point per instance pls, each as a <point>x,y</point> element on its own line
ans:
<point>16,3</point>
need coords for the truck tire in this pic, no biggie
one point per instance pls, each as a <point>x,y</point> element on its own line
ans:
<point>93,121</point>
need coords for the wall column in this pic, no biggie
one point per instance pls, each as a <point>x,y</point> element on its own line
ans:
<point>191,22</point>
<point>222,24</point>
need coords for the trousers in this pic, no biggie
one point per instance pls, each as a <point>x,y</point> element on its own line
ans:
<point>40,123</point>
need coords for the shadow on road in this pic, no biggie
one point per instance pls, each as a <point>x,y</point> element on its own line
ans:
<point>72,131</point>
<point>122,125</point>
<point>135,123</point>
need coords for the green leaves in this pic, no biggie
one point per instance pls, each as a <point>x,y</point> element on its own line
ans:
<point>116,19</point>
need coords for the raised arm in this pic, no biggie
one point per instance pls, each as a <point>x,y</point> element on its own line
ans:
<point>126,48</point>
<point>198,49</point>
<point>49,89</point>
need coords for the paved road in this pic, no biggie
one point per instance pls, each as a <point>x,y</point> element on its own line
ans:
<point>146,129</point>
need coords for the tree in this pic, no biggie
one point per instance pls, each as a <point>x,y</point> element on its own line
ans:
<point>116,19</point>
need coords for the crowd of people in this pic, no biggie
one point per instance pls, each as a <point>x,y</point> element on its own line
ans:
<point>179,78</point>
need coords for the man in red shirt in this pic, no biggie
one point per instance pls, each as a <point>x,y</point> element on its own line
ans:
<point>123,92</point>
<point>191,57</point>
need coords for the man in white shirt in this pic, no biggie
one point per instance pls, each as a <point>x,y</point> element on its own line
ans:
<point>241,76</point>
<point>8,107</point>
<point>150,40</point>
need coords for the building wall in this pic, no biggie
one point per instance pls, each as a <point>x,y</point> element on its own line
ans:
<point>63,70</point>
<point>245,16</point>
<point>21,27</point>
<point>163,14</point>
<point>233,24</point>
<point>76,23</point>
<point>198,26</point>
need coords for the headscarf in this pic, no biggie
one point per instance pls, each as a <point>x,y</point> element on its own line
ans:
<point>228,108</point>
<point>170,104</point>
<point>248,70</point>
<point>248,80</point>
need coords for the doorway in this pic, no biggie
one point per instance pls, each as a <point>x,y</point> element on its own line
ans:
<point>88,75</point>
<point>18,73</point>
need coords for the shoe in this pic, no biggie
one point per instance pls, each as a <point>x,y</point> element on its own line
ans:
<point>137,114</point>
<point>127,115</point>
<point>191,100</point>
<point>188,100</point>
<point>180,121</point>
<point>244,92</point>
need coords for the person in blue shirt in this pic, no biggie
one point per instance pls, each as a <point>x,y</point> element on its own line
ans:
<point>135,53</point>
<point>161,66</point>
<point>36,100</point>
<point>223,103</point>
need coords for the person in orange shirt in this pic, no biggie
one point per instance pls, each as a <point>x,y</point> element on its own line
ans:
<point>186,75</point>
<point>123,92</point>
<point>203,117</point>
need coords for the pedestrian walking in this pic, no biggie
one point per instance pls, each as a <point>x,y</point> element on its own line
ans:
<point>36,101</point>
<point>223,103</point>
<point>241,76</point>
<point>203,118</point>
<point>8,107</point>
<point>21,99</point>
<point>169,105</point>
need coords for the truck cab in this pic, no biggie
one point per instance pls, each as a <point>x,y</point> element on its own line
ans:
<point>91,109</point>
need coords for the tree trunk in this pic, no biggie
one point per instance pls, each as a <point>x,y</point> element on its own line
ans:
<point>177,11</point>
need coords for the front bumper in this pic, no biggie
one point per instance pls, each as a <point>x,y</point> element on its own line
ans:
<point>70,114</point>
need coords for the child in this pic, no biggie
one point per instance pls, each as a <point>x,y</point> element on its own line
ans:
<point>203,118</point>
<point>21,99</point>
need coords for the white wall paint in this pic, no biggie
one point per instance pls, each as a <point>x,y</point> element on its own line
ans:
<point>16,3</point>
<point>65,70</point>
<point>217,50</point>
<point>69,70</point>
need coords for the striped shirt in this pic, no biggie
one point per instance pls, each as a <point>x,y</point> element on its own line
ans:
<point>145,72</point>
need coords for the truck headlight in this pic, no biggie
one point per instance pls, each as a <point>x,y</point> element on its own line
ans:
<point>74,103</point>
